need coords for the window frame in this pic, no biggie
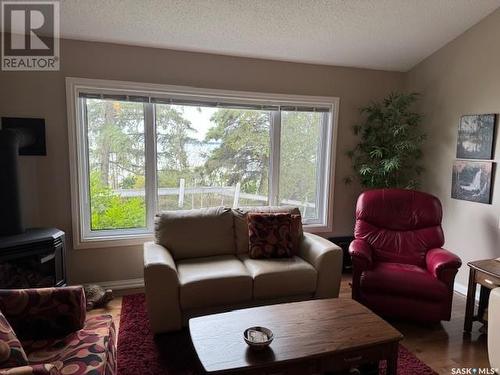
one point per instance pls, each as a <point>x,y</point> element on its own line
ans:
<point>83,237</point>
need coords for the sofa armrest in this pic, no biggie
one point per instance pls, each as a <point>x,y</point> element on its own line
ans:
<point>494,328</point>
<point>326,258</point>
<point>38,369</point>
<point>42,313</point>
<point>361,253</point>
<point>443,264</point>
<point>162,289</point>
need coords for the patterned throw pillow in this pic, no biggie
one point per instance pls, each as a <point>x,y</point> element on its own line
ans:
<point>11,352</point>
<point>270,235</point>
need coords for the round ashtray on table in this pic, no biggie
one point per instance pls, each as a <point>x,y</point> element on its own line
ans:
<point>258,337</point>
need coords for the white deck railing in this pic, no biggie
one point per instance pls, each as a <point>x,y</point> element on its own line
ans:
<point>227,191</point>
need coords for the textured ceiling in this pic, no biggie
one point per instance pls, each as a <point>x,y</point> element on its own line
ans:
<point>381,34</point>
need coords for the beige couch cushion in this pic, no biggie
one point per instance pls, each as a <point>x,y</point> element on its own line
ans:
<point>274,278</point>
<point>494,329</point>
<point>196,233</point>
<point>241,223</point>
<point>213,281</point>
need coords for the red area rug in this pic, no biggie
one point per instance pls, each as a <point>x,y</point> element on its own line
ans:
<point>139,352</point>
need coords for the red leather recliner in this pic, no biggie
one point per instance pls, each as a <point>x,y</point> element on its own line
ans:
<point>399,267</point>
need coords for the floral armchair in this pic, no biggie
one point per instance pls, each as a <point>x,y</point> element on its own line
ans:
<point>45,331</point>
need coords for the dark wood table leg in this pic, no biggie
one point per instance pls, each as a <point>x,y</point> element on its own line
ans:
<point>392,362</point>
<point>484,296</point>
<point>471,297</point>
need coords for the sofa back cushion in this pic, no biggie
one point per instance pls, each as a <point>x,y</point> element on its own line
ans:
<point>196,233</point>
<point>241,223</point>
<point>41,313</point>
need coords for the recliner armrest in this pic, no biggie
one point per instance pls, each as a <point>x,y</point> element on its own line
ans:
<point>443,264</point>
<point>161,284</point>
<point>361,253</point>
<point>326,258</point>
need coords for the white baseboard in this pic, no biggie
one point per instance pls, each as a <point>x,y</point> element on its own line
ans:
<point>122,284</point>
<point>139,283</point>
<point>462,289</point>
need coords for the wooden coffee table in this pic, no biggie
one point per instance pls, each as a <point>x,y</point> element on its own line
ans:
<point>309,337</point>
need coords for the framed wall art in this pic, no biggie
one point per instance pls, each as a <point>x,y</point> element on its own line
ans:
<point>471,180</point>
<point>476,135</point>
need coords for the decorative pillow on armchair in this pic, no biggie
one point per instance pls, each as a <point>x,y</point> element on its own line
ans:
<point>272,235</point>
<point>11,352</point>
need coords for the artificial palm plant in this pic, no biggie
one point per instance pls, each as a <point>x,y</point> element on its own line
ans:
<point>389,151</point>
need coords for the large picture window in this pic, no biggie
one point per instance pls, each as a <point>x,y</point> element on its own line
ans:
<point>137,153</point>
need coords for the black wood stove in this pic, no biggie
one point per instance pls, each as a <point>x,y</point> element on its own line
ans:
<point>28,257</point>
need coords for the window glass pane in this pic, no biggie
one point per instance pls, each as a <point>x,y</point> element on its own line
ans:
<point>211,156</point>
<point>116,164</point>
<point>299,161</point>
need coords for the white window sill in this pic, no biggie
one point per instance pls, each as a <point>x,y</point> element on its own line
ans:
<point>102,242</point>
<point>113,241</point>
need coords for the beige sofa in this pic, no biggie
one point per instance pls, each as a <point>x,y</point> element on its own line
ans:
<point>199,265</point>
<point>494,329</point>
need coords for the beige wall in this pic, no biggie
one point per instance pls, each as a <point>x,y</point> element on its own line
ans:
<point>461,78</point>
<point>46,187</point>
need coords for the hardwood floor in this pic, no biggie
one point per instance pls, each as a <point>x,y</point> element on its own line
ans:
<point>443,346</point>
<point>113,308</point>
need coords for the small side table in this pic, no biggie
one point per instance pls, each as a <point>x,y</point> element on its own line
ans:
<point>487,274</point>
